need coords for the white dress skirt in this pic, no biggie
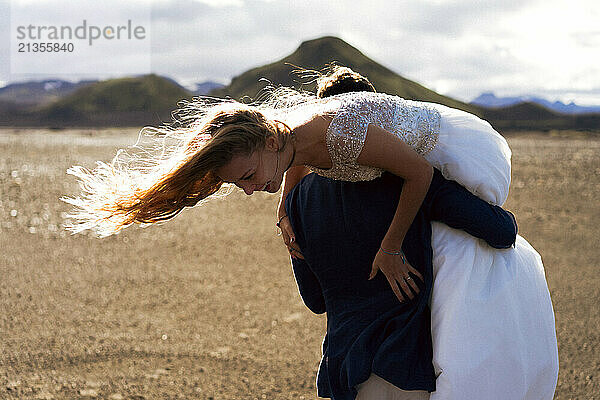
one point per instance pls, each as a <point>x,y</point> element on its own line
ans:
<point>493,326</point>
<point>492,320</point>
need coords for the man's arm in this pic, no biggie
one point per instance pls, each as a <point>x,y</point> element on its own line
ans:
<point>306,280</point>
<point>308,286</point>
<point>452,204</point>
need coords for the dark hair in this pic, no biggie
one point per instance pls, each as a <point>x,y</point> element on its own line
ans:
<point>342,80</point>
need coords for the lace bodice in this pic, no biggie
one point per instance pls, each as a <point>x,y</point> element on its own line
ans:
<point>415,122</point>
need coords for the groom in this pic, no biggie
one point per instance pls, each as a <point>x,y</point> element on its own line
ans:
<point>372,339</point>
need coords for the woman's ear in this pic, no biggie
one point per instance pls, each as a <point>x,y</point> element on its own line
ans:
<point>272,143</point>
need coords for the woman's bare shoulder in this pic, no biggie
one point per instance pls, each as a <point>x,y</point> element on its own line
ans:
<point>311,140</point>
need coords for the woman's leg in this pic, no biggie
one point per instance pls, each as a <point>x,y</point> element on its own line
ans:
<point>376,388</point>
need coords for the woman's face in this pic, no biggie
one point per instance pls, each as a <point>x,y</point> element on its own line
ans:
<point>257,172</point>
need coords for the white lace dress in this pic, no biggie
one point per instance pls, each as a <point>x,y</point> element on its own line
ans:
<point>492,318</point>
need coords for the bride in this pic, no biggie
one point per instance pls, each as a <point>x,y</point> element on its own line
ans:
<point>351,136</point>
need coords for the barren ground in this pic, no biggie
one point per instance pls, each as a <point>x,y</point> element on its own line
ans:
<point>205,306</point>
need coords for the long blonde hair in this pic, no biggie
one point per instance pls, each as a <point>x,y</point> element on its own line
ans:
<point>152,183</point>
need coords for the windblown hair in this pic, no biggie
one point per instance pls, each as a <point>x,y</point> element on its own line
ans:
<point>152,183</point>
<point>342,80</point>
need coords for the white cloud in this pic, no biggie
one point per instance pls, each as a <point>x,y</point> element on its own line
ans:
<point>458,47</point>
<point>222,3</point>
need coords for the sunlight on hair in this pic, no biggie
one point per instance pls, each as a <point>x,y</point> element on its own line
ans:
<point>164,172</point>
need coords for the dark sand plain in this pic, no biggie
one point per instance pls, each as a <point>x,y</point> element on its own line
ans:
<point>205,306</point>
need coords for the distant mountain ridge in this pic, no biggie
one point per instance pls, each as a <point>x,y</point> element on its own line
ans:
<point>131,101</point>
<point>205,88</point>
<point>315,55</point>
<point>39,92</point>
<point>489,99</point>
<point>150,99</point>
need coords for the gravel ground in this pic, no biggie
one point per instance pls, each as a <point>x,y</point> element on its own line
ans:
<point>205,306</point>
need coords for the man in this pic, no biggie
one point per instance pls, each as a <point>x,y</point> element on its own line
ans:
<point>339,226</point>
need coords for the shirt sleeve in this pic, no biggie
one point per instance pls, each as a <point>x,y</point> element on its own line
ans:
<point>452,204</point>
<point>308,286</point>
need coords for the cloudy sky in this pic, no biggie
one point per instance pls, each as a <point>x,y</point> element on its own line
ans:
<point>459,48</point>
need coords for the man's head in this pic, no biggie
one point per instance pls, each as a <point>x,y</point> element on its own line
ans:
<point>342,80</point>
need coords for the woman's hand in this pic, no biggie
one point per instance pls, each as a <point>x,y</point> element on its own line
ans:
<point>289,238</point>
<point>398,272</point>
<point>291,178</point>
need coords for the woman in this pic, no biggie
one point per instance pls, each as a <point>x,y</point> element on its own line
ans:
<point>351,136</point>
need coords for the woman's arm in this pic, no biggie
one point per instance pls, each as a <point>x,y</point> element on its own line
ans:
<point>384,150</point>
<point>291,179</point>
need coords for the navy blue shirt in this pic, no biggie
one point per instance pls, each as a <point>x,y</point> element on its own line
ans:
<point>339,227</point>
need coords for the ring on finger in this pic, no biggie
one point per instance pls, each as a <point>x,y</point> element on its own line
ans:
<point>407,278</point>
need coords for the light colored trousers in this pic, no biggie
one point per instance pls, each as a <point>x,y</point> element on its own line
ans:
<point>376,388</point>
